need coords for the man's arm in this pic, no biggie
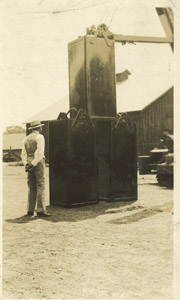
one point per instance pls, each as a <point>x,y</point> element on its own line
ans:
<point>24,154</point>
<point>39,153</point>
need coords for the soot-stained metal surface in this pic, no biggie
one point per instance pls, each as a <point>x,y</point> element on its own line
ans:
<point>92,76</point>
<point>73,167</point>
<point>117,160</point>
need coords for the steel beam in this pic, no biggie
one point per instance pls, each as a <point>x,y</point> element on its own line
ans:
<point>166,18</point>
<point>141,39</point>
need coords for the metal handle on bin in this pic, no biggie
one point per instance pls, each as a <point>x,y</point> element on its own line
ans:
<point>72,108</point>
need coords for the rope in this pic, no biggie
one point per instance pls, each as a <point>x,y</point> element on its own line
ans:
<point>103,17</point>
<point>115,10</point>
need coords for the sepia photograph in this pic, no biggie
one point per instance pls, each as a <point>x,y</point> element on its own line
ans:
<point>89,123</point>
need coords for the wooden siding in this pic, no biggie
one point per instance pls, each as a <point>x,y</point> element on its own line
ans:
<point>155,118</point>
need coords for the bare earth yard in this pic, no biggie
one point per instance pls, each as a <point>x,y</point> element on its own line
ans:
<point>121,250</point>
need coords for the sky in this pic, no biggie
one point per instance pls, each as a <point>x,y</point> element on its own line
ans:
<point>34,51</point>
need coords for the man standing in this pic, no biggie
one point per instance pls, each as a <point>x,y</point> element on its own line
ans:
<point>33,158</point>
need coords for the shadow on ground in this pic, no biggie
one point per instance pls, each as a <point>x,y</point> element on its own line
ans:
<point>80,213</point>
<point>60,214</point>
<point>144,213</point>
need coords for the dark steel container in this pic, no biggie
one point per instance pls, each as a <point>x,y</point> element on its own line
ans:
<point>72,165</point>
<point>117,160</point>
<point>92,83</point>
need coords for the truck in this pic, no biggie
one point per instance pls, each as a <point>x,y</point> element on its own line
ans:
<point>165,167</point>
<point>160,161</point>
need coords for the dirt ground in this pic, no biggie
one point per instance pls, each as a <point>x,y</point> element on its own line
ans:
<point>121,250</point>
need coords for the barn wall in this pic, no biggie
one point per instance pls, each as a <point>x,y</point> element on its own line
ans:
<point>152,121</point>
<point>156,118</point>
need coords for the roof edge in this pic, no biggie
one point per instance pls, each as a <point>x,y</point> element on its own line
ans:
<point>158,97</point>
<point>130,111</point>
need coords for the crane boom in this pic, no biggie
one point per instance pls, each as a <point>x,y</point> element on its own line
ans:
<point>167,21</point>
<point>141,39</point>
<point>166,18</point>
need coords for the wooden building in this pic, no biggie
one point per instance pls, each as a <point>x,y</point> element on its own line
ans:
<point>154,119</point>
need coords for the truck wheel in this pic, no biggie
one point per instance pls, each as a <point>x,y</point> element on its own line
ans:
<point>165,180</point>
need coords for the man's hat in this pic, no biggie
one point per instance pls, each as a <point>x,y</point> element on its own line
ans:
<point>35,124</point>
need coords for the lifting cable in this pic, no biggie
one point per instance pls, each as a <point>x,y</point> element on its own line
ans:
<point>105,16</point>
<point>113,14</point>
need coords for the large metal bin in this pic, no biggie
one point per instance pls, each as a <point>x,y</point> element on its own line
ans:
<point>72,162</point>
<point>92,84</point>
<point>117,161</point>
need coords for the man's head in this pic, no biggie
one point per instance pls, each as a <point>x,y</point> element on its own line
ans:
<point>39,129</point>
<point>36,126</point>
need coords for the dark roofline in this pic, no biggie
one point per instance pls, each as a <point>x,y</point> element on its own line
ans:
<point>158,97</point>
<point>130,111</point>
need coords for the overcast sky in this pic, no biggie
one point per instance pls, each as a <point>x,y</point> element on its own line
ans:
<point>34,49</point>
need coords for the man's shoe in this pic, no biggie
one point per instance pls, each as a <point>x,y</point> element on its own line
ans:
<point>43,214</point>
<point>30,213</point>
